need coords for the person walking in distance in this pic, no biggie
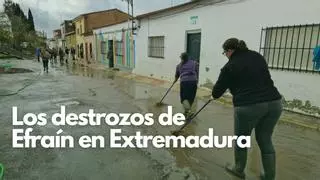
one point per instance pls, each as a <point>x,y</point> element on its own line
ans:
<point>188,72</point>
<point>45,58</point>
<point>67,54</point>
<point>73,53</point>
<point>257,103</point>
<point>61,55</point>
<point>38,53</point>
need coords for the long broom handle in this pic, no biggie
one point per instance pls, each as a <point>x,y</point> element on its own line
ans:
<point>188,122</point>
<point>167,92</point>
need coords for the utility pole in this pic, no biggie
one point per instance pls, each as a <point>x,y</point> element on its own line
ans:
<point>130,3</point>
<point>129,14</point>
<point>132,20</point>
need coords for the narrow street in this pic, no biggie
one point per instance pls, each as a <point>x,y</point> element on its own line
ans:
<point>81,89</point>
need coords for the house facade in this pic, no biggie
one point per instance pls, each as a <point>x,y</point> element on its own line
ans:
<point>84,25</point>
<point>119,39</point>
<point>79,29</point>
<point>67,28</point>
<point>285,35</point>
<point>57,39</point>
<point>51,43</point>
<point>70,40</point>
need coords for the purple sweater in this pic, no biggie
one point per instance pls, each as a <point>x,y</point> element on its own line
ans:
<point>188,71</point>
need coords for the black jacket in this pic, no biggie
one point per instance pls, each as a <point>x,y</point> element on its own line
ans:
<point>247,77</point>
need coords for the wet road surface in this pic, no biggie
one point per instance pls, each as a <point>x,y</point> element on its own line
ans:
<point>81,89</point>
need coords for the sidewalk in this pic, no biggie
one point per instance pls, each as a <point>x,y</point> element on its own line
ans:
<point>288,117</point>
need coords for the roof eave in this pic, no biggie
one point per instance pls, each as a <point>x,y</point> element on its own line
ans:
<point>142,16</point>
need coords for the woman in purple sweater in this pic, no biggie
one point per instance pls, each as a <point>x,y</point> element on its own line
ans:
<point>188,72</point>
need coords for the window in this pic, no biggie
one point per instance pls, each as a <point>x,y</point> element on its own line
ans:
<point>80,28</point>
<point>156,47</point>
<point>119,48</point>
<point>103,47</point>
<point>78,31</point>
<point>290,47</point>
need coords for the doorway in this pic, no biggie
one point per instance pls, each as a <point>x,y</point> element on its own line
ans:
<point>86,51</point>
<point>110,54</point>
<point>194,45</point>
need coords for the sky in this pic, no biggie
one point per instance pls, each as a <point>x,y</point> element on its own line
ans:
<point>48,14</point>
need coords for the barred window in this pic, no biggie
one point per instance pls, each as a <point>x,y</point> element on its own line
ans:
<point>156,47</point>
<point>290,47</point>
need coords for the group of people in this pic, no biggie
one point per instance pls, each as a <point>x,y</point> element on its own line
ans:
<point>47,54</point>
<point>257,102</point>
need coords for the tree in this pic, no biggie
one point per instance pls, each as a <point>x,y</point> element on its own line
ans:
<point>5,29</point>
<point>18,12</point>
<point>5,36</point>
<point>22,26</point>
<point>8,7</point>
<point>30,21</point>
<point>19,29</point>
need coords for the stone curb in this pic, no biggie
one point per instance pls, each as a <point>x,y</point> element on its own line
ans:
<point>204,93</point>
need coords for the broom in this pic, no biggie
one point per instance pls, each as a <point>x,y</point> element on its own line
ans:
<point>177,132</point>
<point>160,103</point>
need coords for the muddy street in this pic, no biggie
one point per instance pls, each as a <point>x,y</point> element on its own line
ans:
<point>81,88</point>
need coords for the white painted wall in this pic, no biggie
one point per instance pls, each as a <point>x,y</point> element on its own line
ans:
<point>109,32</point>
<point>110,29</point>
<point>243,20</point>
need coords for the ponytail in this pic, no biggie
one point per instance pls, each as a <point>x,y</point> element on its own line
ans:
<point>234,44</point>
<point>242,45</point>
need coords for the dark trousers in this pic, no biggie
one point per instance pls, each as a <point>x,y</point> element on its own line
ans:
<point>262,117</point>
<point>45,64</point>
<point>188,91</point>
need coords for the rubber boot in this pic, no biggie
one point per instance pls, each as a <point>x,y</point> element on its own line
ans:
<point>187,109</point>
<point>240,164</point>
<point>269,166</point>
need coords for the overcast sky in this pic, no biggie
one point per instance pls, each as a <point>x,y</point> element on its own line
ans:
<point>48,14</point>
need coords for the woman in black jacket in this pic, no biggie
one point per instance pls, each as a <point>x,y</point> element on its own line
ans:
<point>257,103</point>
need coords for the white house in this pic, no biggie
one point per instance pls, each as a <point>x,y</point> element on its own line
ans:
<point>119,39</point>
<point>51,43</point>
<point>201,27</point>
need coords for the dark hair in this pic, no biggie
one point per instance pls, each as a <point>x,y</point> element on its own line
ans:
<point>234,44</point>
<point>184,56</point>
